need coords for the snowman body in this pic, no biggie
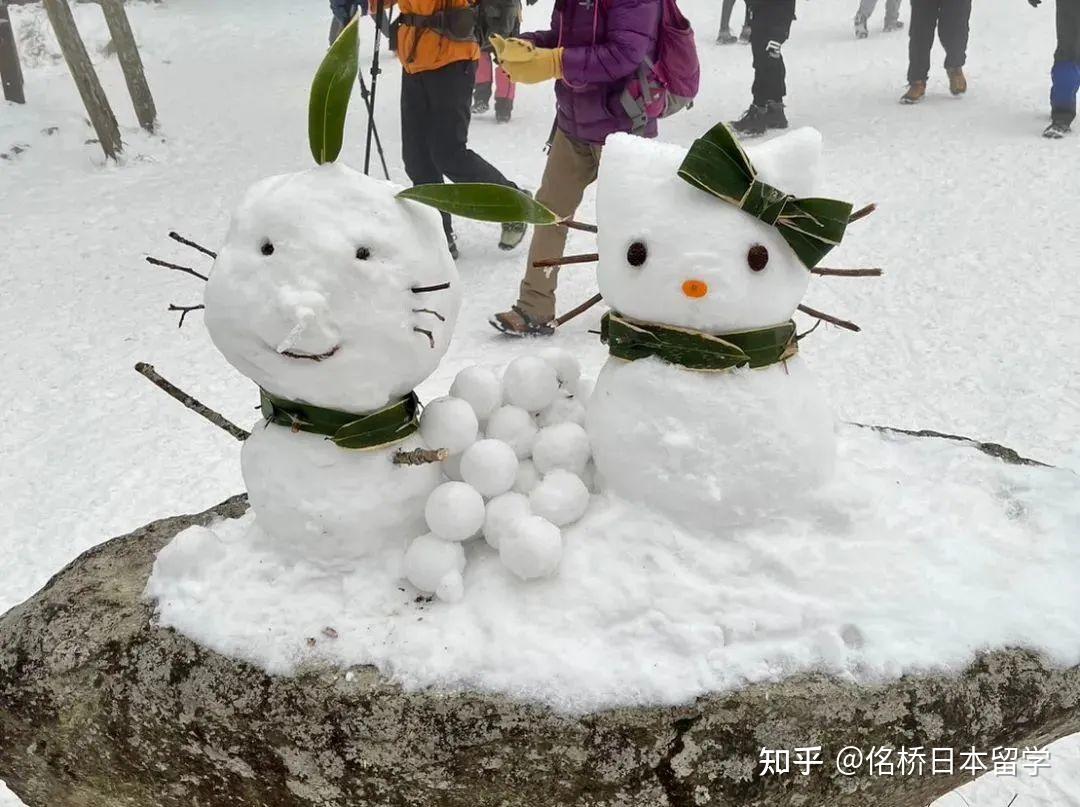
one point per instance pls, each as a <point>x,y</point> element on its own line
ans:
<point>706,447</point>
<point>331,292</point>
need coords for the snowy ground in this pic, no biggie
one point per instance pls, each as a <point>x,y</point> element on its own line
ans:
<point>970,332</point>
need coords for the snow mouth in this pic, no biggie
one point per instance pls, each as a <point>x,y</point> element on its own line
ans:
<point>299,354</point>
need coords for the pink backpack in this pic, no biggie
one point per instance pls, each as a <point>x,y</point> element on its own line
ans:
<point>670,83</point>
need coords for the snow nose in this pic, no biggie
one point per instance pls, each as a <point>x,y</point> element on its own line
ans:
<point>695,289</point>
<point>307,315</point>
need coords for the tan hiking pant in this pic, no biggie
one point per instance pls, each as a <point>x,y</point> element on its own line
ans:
<point>571,168</point>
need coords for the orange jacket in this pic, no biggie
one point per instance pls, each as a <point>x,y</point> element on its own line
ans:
<point>420,50</point>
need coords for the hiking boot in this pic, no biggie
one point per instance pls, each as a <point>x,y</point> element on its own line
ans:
<point>774,115</point>
<point>915,92</point>
<point>744,35</point>
<point>480,106</point>
<point>512,232</point>
<point>517,323</point>
<point>752,123</point>
<point>451,244</point>
<point>861,31</point>
<point>725,37</point>
<point>503,108</point>
<point>893,25</point>
<point>957,80</point>
<point>1057,130</point>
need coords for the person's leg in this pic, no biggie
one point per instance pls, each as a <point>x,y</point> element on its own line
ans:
<point>892,14</point>
<point>725,14</point>
<point>924,14</point>
<point>1065,76</point>
<point>866,8</point>
<point>504,85</point>
<point>415,122</point>
<point>450,88</point>
<point>571,167</point>
<point>482,88</point>
<point>770,29</point>
<point>953,27</point>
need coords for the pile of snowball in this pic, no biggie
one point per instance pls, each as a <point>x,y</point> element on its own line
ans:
<point>519,469</point>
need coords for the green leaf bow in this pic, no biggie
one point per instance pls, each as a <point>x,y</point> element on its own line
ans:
<point>718,165</point>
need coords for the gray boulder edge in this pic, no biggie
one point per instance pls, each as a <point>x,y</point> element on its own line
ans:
<point>98,707</point>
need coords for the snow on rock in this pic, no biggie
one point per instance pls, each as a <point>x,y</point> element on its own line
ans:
<point>645,610</point>
<point>454,511</point>
<point>434,566</point>
<point>530,383</point>
<point>502,513</point>
<point>515,426</point>
<point>490,466</point>
<point>480,387</point>
<point>531,547</point>
<point>564,445</point>
<point>449,423</point>
<point>561,497</point>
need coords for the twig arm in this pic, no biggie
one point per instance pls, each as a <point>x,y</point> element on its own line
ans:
<point>581,309</point>
<point>589,257</point>
<point>420,456</point>
<point>189,243</point>
<point>196,406</point>
<point>840,323</point>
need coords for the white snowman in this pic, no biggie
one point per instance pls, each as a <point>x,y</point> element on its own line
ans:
<point>681,266</point>
<point>337,299</point>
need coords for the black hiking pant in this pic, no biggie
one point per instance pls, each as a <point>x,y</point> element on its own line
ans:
<point>950,19</point>
<point>770,26</point>
<point>435,115</point>
<point>1065,76</point>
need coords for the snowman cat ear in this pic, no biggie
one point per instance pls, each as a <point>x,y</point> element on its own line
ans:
<point>789,162</point>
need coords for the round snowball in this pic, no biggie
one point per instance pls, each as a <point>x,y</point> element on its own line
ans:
<point>429,561</point>
<point>480,388</point>
<point>563,410</point>
<point>451,587</point>
<point>451,466</point>
<point>490,466</point>
<point>527,477</point>
<point>530,382</point>
<point>454,511</point>
<point>532,548</point>
<point>449,423</point>
<point>561,498</point>
<point>515,426</point>
<point>502,513</point>
<point>567,367</point>
<point>564,445</point>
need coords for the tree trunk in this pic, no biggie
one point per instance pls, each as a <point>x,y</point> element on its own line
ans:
<point>10,70</point>
<point>93,96</point>
<point>131,63</point>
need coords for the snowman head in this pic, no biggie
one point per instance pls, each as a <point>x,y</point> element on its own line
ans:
<point>332,292</point>
<point>673,254</point>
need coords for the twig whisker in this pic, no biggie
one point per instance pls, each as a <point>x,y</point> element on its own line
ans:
<point>184,311</point>
<point>189,243</point>
<point>428,334</point>
<point>436,314</point>
<point>426,289</point>
<point>175,266</point>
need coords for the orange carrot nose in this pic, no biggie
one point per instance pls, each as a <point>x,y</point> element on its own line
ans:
<point>695,288</point>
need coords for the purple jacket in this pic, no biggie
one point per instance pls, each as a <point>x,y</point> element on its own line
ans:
<point>604,41</point>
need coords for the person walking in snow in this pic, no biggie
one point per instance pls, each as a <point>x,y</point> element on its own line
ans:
<point>343,11</point>
<point>501,18</point>
<point>866,8</point>
<point>591,50</point>
<point>950,19</point>
<point>1065,74</point>
<point>439,51</point>
<point>725,37</point>
<point>770,26</point>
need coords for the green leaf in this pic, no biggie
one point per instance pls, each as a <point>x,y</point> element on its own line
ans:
<point>330,92</point>
<point>482,201</point>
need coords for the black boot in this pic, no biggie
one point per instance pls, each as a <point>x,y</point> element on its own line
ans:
<point>503,108</point>
<point>774,115</point>
<point>752,123</point>
<point>1057,130</point>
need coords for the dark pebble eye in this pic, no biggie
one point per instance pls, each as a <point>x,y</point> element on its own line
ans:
<point>267,248</point>
<point>362,253</point>
<point>757,257</point>
<point>637,254</point>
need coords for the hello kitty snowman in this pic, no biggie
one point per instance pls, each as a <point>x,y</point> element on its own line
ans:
<point>689,275</point>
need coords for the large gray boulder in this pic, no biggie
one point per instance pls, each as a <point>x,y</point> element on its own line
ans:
<point>99,708</point>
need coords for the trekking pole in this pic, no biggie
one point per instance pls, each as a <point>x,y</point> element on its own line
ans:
<point>369,102</point>
<point>379,8</point>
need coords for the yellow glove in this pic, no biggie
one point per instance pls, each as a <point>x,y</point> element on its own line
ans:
<point>526,63</point>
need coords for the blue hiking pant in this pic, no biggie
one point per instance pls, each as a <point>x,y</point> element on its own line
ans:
<point>1065,75</point>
